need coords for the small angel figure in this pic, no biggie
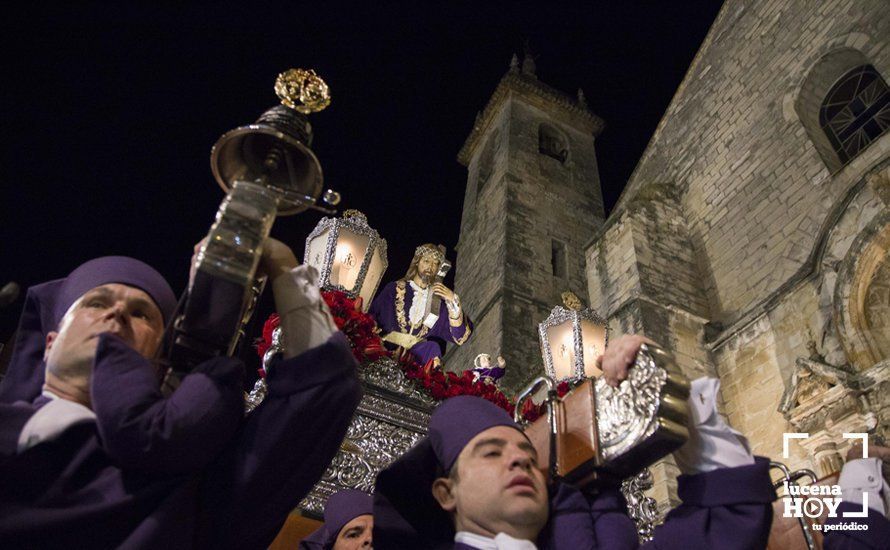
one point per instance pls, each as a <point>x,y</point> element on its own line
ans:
<point>484,372</point>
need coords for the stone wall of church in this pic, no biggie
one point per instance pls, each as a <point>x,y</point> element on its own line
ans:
<point>761,257</point>
<point>644,277</point>
<point>756,360</point>
<point>750,367</point>
<point>756,189</point>
<point>481,255</point>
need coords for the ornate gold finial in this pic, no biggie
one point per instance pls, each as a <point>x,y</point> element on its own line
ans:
<point>303,90</point>
<point>571,301</point>
<point>353,213</point>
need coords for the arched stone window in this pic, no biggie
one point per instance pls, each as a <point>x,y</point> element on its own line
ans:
<point>552,143</point>
<point>855,111</point>
<point>843,105</point>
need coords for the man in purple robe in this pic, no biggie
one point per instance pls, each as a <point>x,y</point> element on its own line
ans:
<point>400,310</point>
<point>101,459</point>
<point>348,523</point>
<point>473,483</point>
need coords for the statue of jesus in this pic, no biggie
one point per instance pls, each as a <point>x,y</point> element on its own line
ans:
<point>406,318</point>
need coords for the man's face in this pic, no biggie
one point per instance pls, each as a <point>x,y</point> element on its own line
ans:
<point>426,269</point>
<point>498,486</point>
<point>127,312</point>
<point>355,534</point>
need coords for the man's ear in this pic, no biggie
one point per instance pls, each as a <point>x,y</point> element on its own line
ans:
<point>443,492</point>
<point>50,338</point>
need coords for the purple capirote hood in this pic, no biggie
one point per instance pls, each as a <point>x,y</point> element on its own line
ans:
<point>405,513</point>
<point>46,304</point>
<point>341,508</point>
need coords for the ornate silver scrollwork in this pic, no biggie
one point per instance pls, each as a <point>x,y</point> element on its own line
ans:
<point>391,418</point>
<point>642,509</point>
<point>628,414</point>
<point>370,446</point>
<point>387,409</point>
<point>253,399</point>
<point>386,374</point>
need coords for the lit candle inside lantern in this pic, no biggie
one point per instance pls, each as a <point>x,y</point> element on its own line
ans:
<point>563,349</point>
<point>572,340</point>
<point>346,266</point>
<point>594,339</point>
<point>352,241</point>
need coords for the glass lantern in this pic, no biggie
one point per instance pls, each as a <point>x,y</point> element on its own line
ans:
<point>349,255</point>
<point>571,341</point>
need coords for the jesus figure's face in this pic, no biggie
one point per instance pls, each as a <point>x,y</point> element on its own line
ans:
<point>426,270</point>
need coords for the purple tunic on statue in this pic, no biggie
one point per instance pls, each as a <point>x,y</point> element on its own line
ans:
<point>391,308</point>
<point>187,471</point>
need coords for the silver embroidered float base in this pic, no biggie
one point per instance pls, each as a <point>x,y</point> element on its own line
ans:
<point>391,418</point>
<point>394,414</point>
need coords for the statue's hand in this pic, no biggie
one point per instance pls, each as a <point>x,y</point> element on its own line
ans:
<point>443,292</point>
<point>619,356</point>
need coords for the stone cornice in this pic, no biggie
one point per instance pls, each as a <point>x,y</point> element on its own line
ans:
<point>567,108</point>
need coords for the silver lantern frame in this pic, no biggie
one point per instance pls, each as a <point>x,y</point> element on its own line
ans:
<point>356,222</point>
<point>558,316</point>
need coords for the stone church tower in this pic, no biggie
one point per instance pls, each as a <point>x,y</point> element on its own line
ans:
<point>532,201</point>
<point>752,239</point>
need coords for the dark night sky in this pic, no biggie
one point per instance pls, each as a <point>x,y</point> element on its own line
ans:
<point>109,112</point>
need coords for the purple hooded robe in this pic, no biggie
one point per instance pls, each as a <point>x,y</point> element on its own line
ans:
<point>726,508</point>
<point>185,471</point>
<point>341,508</point>
<point>876,537</point>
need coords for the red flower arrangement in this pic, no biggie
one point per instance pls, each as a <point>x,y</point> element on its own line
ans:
<point>364,338</point>
<point>360,328</point>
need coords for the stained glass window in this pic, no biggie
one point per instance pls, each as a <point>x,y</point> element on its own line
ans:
<point>855,112</point>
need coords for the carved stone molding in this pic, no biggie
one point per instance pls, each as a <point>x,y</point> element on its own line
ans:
<point>880,184</point>
<point>862,295</point>
<point>827,402</point>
